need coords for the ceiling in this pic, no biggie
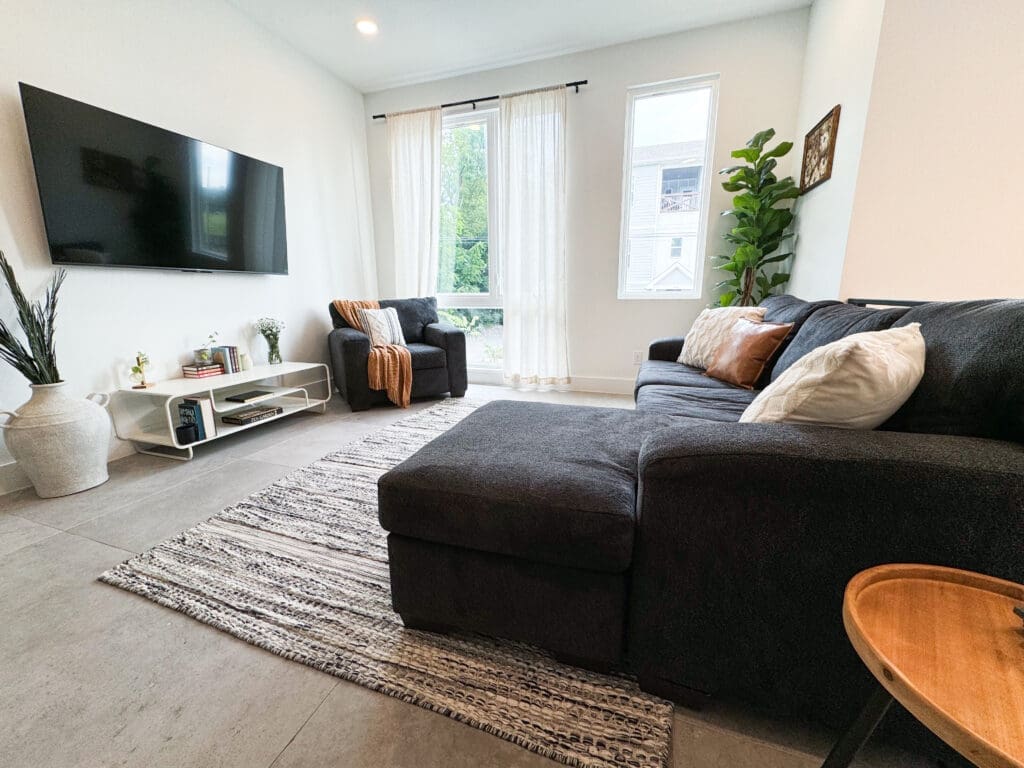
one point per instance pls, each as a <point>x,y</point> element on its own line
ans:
<point>424,40</point>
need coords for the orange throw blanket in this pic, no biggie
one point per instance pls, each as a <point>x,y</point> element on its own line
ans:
<point>390,366</point>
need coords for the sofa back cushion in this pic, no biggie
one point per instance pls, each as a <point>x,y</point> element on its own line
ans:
<point>413,314</point>
<point>973,380</point>
<point>787,309</point>
<point>832,323</point>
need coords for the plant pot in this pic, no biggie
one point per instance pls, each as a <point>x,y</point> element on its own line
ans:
<point>60,442</point>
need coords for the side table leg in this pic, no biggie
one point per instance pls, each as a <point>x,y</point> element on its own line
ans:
<point>860,730</point>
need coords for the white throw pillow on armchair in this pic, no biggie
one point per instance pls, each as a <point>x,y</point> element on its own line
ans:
<point>710,329</point>
<point>857,382</point>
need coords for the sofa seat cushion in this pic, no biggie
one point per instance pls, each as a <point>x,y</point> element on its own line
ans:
<point>726,404</point>
<point>833,323</point>
<point>675,374</point>
<point>426,356</point>
<point>545,483</point>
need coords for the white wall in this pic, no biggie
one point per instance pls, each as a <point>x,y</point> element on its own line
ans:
<point>936,214</point>
<point>760,63</point>
<point>201,68</point>
<point>842,42</point>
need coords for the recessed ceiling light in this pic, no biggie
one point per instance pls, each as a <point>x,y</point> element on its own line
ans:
<point>367,26</point>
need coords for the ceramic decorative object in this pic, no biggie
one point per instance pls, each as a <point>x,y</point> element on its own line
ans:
<point>60,442</point>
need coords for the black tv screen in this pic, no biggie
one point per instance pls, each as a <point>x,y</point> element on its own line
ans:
<point>121,193</point>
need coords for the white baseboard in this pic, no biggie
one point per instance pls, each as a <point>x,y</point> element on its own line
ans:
<point>606,385</point>
<point>609,385</point>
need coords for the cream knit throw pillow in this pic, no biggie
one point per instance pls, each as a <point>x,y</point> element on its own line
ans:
<point>710,329</point>
<point>857,382</point>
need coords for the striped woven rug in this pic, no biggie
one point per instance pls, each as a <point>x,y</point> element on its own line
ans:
<point>300,569</point>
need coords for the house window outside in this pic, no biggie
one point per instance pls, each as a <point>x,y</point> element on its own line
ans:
<point>468,286</point>
<point>669,143</point>
<point>680,189</point>
<point>676,249</point>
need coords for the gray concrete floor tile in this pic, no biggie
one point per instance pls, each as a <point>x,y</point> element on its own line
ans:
<point>94,676</point>
<point>17,532</point>
<point>144,524</point>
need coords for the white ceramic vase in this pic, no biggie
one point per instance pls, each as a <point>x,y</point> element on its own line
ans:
<point>61,443</point>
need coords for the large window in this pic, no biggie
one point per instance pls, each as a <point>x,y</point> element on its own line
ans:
<point>468,286</point>
<point>669,133</point>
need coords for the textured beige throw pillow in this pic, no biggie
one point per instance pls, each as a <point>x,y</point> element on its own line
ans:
<point>855,383</point>
<point>382,326</point>
<point>710,329</point>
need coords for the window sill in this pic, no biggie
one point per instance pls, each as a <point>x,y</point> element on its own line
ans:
<point>661,296</point>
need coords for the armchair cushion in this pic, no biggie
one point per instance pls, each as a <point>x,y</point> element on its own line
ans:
<point>426,356</point>
<point>414,315</point>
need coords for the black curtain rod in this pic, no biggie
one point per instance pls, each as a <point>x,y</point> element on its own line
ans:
<point>574,84</point>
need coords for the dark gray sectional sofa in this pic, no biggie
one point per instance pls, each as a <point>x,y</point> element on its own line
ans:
<point>710,556</point>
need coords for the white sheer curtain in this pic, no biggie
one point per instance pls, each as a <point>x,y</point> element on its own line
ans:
<point>531,233</point>
<point>414,142</point>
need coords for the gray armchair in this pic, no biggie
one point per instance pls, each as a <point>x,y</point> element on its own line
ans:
<point>438,353</point>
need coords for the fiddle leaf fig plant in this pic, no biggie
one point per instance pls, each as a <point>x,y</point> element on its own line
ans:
<point>763,217</point>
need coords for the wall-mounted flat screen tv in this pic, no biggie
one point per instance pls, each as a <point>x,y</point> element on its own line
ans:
<point>118,192</point>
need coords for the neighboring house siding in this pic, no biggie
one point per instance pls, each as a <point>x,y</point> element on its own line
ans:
<point>651,265</point>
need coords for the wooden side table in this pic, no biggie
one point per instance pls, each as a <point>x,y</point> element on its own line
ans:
<point>947,645</point>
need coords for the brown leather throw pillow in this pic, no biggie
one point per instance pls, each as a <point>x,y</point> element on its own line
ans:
<point>741,358</point>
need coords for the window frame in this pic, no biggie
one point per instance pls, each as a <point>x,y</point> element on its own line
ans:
<point>633,93</point>
<point>492,299</point>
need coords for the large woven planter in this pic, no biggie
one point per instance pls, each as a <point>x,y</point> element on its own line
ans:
<point>61,443</point>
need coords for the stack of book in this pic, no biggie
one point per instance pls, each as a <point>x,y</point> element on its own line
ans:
<point>198,411</point>
<point>228,357</point>
<point>252,415</point>
<point>202,370</point>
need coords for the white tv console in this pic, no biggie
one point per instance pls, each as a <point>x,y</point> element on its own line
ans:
<point>148,417</point>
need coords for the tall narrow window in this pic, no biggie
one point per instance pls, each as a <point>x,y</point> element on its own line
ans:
<point>669,144</point>
<point>468,286</point>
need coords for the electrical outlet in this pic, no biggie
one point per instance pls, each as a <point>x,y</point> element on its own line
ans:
<point>638,357</point>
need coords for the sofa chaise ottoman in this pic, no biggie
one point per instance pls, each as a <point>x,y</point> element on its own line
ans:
<point>518,523</point>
